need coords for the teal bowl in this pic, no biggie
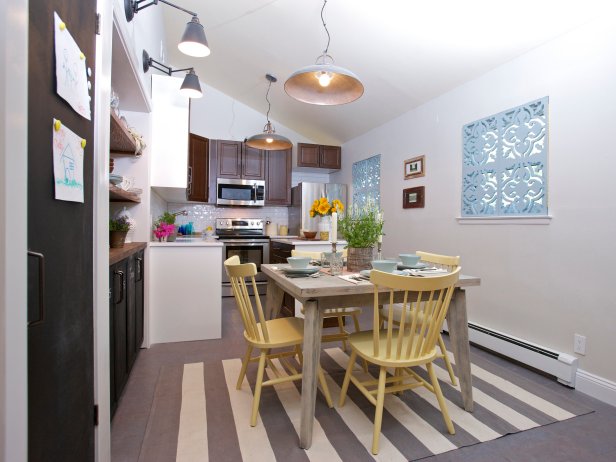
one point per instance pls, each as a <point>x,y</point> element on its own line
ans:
<point>298,262</point>
<point>388,266</point>
<point>409,259</point>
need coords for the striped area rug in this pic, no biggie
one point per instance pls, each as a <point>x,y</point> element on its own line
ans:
<point>198,415</point>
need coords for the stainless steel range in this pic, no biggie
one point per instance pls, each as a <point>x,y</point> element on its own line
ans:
<point>244,237</point>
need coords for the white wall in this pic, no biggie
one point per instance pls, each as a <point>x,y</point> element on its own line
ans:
<point>13,245</point>
<point>539,282</point>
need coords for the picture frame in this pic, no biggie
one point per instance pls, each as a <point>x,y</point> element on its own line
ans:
<point>415,167</point>
<point>413,198</point>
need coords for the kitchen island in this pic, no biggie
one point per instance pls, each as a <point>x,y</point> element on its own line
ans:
<point>184,291</point>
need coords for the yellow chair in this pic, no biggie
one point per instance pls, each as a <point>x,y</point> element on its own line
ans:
<point>266,335</point>
<point>338,313</point>
<point>403,345</point>
<point>439,261</point>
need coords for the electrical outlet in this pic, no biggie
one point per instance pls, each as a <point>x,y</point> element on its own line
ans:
<point>579,344</point>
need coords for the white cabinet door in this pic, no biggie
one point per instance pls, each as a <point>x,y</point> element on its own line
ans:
<point>169,133</point>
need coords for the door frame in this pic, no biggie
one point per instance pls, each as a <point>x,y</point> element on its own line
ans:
<point>13,244</point>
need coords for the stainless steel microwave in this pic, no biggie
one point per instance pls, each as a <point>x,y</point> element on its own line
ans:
<point>240,192</point>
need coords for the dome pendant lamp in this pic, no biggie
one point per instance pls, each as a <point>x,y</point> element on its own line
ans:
<point>269,140</point>
<point>324,83</point>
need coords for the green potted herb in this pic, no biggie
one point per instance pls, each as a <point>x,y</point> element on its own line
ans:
<point>118,227</point>
<point>361,227</point>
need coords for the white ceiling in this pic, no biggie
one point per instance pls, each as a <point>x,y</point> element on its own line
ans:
<point>405,52</point>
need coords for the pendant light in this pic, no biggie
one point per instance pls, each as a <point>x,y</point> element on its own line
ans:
<point>190,86</point>
<point>193,42</point>
<point>324,83</point>
<point>269,140</point>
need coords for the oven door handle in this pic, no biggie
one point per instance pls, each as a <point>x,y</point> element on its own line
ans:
<point>239,242</point>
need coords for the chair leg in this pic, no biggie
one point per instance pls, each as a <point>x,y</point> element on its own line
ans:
<point>258,386</point>
<point>300,356</point>
<point>324,387</point>
<point>341,330</point>
<point>357,329</point>
<point>378,414</point>
<point>245,362</point>
<point>440,399</point>
<point>441,344</point>
<point>347,379</point>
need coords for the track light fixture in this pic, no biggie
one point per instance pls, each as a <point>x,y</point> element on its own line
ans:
<point>190,86</point>
<point>269,140</point>
<point>193,42</point>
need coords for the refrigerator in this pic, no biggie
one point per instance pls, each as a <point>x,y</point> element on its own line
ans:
<point>302,197</point>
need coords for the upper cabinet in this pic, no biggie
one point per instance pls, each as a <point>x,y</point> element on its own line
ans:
<point>198,174</point>
<point>236,160</point>
<point>318,156</point>
<point>278,177</point>
<point>169,133</point>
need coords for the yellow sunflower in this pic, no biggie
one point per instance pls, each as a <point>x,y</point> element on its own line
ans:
<point>323,208</point>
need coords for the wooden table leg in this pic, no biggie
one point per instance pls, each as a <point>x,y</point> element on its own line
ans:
<point>273,300</point>
<point>312,349</point>
<point>457,322</point>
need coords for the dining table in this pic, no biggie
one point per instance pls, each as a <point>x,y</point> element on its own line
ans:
<point>317,294</point>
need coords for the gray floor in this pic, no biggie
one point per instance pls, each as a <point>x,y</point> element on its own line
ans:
<point>589,437</point>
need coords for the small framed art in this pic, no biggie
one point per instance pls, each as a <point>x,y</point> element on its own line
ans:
<point>413,198</point>
<point>414,167</point>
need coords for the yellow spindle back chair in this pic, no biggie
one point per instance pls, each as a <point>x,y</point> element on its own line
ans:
<point>405,344</point>
<point>266,335</point>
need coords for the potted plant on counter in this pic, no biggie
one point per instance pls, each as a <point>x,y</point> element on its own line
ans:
<point>164,227</point>
<point>361,227</point>
<point>118,227</point>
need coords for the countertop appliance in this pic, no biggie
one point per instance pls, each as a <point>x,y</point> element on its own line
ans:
<point>240,192</point>
<point>302,197</point>
<point>245,238</point>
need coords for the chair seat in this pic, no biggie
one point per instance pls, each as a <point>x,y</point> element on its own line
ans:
<point>333,312</point>
<point>282,332</point>
<point>363,343</point>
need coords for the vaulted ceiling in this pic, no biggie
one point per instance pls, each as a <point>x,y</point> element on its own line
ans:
<point>405,52</point>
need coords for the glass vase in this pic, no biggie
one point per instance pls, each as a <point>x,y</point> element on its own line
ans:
<point>325,224</point>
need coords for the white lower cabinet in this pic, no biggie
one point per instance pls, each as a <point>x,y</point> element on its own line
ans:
<point>185,292</point>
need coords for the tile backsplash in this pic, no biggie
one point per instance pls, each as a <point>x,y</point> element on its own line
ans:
<point>204,215</point>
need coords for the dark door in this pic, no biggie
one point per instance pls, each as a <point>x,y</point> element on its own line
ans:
<point>330,157</point>
<point>307,155</point>
<point>139,302</point>
<point>278,178</point>
<point>119,320</point>
<point>229,155</point>
<point>253,164</point>
<point>60,346</point>
<point>198,178</point>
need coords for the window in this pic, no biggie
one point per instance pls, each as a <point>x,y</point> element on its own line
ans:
<point>367,182</point>
<point>504,163</point>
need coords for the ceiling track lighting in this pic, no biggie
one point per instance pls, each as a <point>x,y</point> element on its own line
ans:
<point>190,86</point>
<point>193,42</point>
<point>269,140</point>
<point>324,83</point>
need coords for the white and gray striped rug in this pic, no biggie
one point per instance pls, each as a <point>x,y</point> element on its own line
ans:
<point>198,415</point>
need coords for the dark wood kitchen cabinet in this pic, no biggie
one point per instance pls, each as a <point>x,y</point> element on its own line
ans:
<point>279,252</point>
<point>278,177</point>
<point>236,160</point>
<point>198,168</point>
<point>319,156</point>
<point>126,315</point>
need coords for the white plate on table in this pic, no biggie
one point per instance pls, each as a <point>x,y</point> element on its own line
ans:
<point>417,266</point>
<point>309,270</point>
<point>366,273</point>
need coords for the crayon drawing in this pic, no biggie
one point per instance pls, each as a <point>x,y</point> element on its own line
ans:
<point>67,165</point>
<point>71,77</point>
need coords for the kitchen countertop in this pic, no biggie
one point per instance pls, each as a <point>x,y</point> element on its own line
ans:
<point>188,243</point>
<point>116,255</point>
<point>306,242</point>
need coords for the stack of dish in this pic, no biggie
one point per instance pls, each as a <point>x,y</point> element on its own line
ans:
<point>299,267</point>
<point>115,179</point>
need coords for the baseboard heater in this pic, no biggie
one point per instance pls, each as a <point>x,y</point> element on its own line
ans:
<point>561,365</point>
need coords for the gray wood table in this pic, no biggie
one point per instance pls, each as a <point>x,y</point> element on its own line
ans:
<point>318,294</point>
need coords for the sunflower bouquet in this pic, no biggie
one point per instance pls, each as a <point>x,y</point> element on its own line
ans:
<point>322,207</point>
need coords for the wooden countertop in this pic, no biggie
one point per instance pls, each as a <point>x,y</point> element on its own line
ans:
<point>116,255</point>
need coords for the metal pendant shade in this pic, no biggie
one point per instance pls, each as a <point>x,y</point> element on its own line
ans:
<point>193,41</point>
<point>269,140</point>
<point>324,83</point>
<point>190,86</point>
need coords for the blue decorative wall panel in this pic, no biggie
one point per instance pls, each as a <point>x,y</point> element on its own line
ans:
<point>367,181</point>
<point>504,163</point>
